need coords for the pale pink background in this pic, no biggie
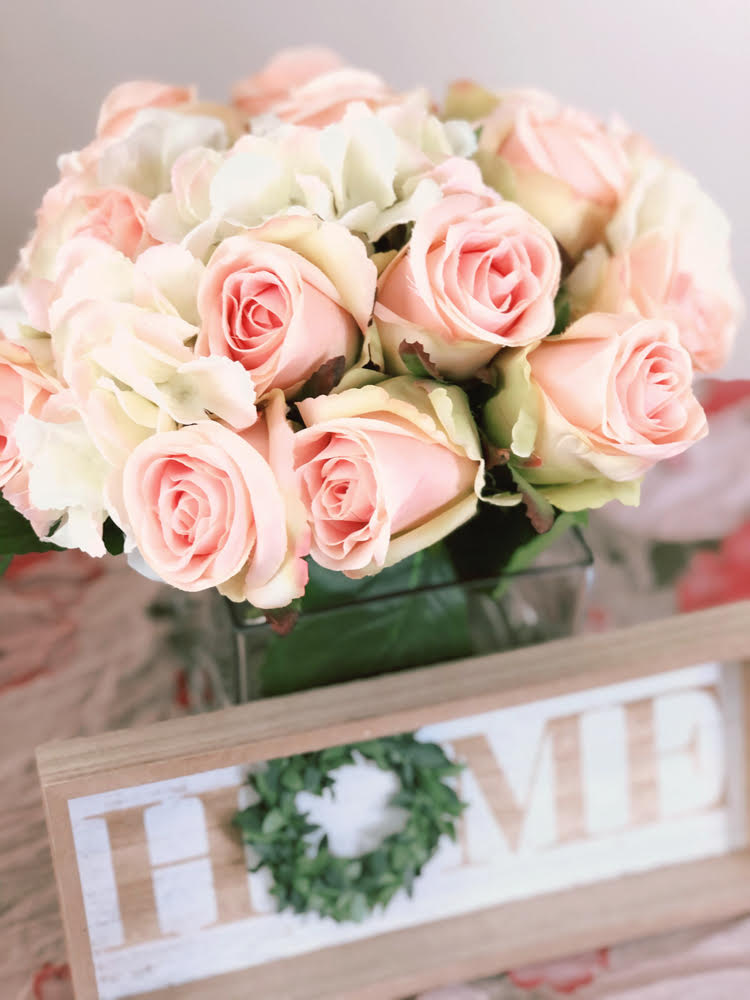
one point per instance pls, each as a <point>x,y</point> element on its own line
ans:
<point>676,69</point>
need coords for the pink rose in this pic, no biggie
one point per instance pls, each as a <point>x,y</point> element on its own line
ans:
<point>468,100</point>
<point>289,69</point>
<point>203,505</point>
<point>123,103</point>
<point>73,207</point>
<point>654,278</point>
<point>273,438</point>
<point>309,87</point>
<point>117,217</point>
<point>702,483</point>
<point>285,298</point>
<point>604,401</point>
<point>324,100</point>
<point>131,372</point>
<point>457,175</point>
<point>477,275</point>
<point>23,390</point>
<point>565,976</point>
<point>638,399</point>
<point>385,470</point>
<point>565,143</point>
<point>671,257</point>
<point>564,166</point>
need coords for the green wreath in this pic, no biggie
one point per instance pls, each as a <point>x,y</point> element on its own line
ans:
<point>308,878</point>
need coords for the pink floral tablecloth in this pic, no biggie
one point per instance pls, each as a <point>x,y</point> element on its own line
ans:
<point>79,653</point>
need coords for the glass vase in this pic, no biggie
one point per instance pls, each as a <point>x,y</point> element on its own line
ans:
<point>428,609</point>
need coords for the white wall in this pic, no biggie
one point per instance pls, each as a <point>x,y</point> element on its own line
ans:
<point>678,70</point>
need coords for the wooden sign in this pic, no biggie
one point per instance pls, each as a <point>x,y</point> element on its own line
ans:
<point>607,798</point>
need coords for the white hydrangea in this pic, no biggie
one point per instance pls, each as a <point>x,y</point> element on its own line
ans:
<point>363,172</point>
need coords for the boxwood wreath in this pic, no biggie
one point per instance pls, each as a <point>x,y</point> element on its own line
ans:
<point>307,877</point>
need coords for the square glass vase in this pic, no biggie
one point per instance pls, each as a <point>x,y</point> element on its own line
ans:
<point>423,611</point>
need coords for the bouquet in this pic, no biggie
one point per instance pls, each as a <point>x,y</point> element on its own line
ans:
<point>321,327</point>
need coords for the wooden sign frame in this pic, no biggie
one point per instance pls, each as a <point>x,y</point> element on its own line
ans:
<point>448,950</point>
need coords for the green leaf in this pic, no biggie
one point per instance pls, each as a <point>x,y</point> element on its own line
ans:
<point>274,821</point>
<point>390,621</point>
<point>396,238</point>
<point>311,778</point>
<point>481,548</point>
<point>302,886</point>
<point>114,539</point>
<point>292,779</point>
<point>358,908</point>
<point>562,312</point>
<point>264,785</point>
<point>400,856</point>
<point>417,360</point>
<point>328,589</point>
<point>375,751</point>
<point>354,869</point>
<point>540,511</point>
<point>322,381</point>
<point>427,755</point>
<point>54,528</point>
<point>526,554</point>
<point>377,862</point>
<point>17,537</point>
